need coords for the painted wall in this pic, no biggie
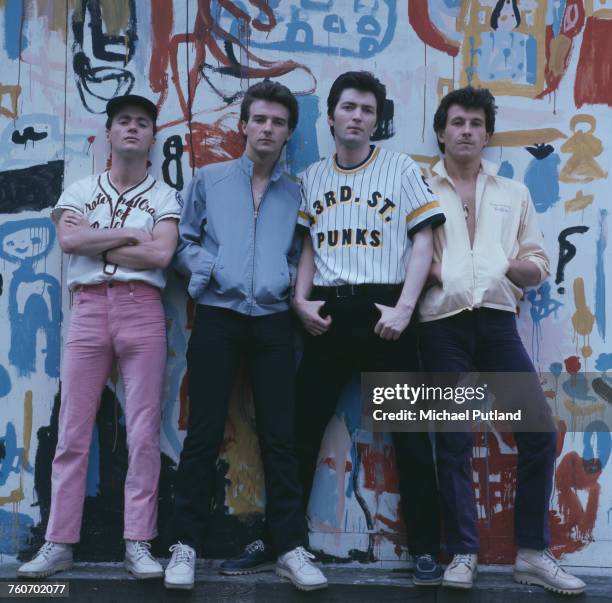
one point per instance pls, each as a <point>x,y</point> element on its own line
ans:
<point>549,62</point>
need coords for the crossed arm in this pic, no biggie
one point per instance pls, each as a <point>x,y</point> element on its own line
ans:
<point>129,247</point>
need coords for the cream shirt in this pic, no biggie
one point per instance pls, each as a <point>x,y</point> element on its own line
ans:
<point>506,228</point>
<point>141,206</point>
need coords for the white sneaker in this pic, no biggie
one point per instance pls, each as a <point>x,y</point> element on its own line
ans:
<point>296,565</point>
<point>461,571</point>
<point>51,557</point>
<point>139,561</point>
<point>542,569</point>
<point>180,572</point>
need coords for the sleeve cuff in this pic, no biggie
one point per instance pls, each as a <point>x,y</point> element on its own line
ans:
<point>433,221</point>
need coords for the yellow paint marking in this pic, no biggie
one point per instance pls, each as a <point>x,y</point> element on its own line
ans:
<point>579,202</point>
<point>524,138</point>
<point>577,410</point>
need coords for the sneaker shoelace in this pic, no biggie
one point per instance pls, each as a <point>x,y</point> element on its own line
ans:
<point>142,549</point>
<point>550,560</point>
<point>253,547</point>
<point>303,555</point>
<point>426,557</point>
<point>183,554</point>
<point>45,550</point>
<point>461,558</point>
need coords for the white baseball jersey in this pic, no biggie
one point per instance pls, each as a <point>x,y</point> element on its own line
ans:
<point>359,218</point>
<point>141,206</point>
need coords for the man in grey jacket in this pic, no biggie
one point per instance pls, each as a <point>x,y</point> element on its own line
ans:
<point>237,241</point>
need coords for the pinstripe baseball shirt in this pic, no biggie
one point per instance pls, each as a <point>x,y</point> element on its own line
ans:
<point>359,218</point>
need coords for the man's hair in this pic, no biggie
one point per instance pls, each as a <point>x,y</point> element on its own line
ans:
<point>468,98</point>
<point>363,81</point>
<point>272,92</point>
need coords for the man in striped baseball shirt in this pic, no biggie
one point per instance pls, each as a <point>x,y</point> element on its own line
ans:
<point>369,216</point>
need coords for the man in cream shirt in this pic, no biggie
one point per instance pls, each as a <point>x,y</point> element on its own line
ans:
<point>488,250</point>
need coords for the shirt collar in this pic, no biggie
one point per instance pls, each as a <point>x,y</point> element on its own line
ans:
<point>246,165</point>
<point>145,183</point>
<point>488,168</point>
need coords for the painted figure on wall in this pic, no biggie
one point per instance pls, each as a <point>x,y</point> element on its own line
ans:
<point>34,297</point>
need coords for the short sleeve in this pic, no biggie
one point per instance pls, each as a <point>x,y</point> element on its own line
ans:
<point>421,206</point>
<point>170,207</point>
<point>73,198</point>
<point>305,217</point>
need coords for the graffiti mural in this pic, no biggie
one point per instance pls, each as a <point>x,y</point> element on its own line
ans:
<point>549,64</point>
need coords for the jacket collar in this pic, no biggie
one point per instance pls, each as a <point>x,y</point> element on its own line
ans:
<point>246,165</point>
<point>486,167</point>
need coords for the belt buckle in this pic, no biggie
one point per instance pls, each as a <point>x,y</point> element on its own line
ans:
<point>351,289</point>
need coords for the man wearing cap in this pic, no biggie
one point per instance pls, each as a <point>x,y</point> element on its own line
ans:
<point>120,231</point>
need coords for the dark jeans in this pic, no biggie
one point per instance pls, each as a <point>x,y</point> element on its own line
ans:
<point>219,340</point>
<point>328,363</point>
<point>487,340</point>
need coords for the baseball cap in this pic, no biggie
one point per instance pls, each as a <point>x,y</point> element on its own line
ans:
<point>118,102</point>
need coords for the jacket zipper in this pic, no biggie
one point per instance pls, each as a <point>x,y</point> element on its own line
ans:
<point>255,215</point>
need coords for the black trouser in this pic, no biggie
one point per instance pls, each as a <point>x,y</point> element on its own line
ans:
<point>487,340</point>
<point>219,340</point>
<point>329,360</point>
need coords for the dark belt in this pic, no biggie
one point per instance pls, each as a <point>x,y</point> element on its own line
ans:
<point>341,291</point>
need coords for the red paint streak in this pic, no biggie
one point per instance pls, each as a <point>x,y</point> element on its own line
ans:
<point>379,468</point>
<point>572,365</point>
<point>205,38</point>
<point>571,25</point>
<point>261,5</point>
<point>418,16</point>
<point>331,463</point>
<point>212,143</point>
<point>573,18</point>
<point>572,529</point>
<point>593,82</point>
<point>161,25</point>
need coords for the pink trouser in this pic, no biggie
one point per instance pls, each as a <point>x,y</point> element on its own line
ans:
<point>125,321</point>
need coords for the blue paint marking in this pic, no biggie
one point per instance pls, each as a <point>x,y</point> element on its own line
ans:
<point>541,305</point>
<point>598,431</point>
<point>34,298</point>
<point>349,404</point>
<point>303,146</point>
<point>506,169</point>
<point>334,24</point>
<point>603,362</point>
<point>373,32</point>
<point>324,495</point>
<point>577,387</point>
<point>14,531</point>
<point>555,16</point>
<point>5,382</point>
<point>92,487</point>
<point>13,12</point>
<point>600,275</point>
<point>556,368</point>
<point>542,180</point>
<point>531,50</point>
<point>349,482</point>
<point>12,460</point>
